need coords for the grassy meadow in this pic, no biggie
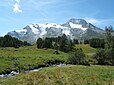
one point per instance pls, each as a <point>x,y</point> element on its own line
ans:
<point>30,57</point>
<point>66,75</point>
<point>27,58</point>
<point>89,52</point>
<point>86,48</point>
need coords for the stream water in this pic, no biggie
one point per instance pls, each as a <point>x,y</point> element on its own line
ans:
<point>13,73</point>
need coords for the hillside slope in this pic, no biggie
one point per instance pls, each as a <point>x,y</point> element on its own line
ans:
<point>67,75</point>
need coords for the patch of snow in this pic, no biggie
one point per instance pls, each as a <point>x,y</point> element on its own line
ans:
<point>53,25</point>
<point>50,25</point>
<point>84,28</point>
<point>66,31</point>
<point>43,31</point>
<point>35,25</point>
<point>22,31</point>
<point>42,28</point>
<point>77,26</point>
<point>34,29</point>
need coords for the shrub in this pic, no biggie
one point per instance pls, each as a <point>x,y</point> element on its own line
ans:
<point>101,57</point>
<point>77,57</point>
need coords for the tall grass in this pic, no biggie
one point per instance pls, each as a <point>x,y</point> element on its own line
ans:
<point>27,58</point>
<point>68,75</point>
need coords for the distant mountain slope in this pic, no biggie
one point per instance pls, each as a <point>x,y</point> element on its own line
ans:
<point>74,28</point>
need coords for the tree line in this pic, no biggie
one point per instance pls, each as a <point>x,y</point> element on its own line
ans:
<point>8,41</point>
<point>105,56</point>
<point>95,42</point>
<point>105,53</point>
<point>61,43</point>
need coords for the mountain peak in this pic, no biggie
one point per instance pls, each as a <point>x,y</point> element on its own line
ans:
<point>78,21</point>
<point>74,28</point>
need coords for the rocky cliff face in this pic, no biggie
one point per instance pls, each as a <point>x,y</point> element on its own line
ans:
<point>74,28</point>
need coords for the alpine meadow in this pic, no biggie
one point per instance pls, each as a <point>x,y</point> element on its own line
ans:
<point>56,42</point>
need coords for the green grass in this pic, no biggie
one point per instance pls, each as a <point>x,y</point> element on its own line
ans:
<point>67,75</point>
<point>89,52</point>
<point>30,57</point>
<point>86,48</point>
<point>27,58</point>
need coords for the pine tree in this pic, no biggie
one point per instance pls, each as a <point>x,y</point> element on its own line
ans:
<point>47,43</point>
<point>109,39</point>
<point>106,55</point>
<point>75,41</point>
<point>8,41</point>
<point>64,46</point>
<point>86,41</point>
<point>39,43</point>
<point>109,44</point>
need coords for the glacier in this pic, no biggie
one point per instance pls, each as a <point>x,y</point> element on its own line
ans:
<point>74,28</point>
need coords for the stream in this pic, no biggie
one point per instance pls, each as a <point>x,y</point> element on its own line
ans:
<point>13,73</point>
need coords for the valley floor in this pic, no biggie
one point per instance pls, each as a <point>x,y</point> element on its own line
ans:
<point>29,57</point>
<point>66,75</point>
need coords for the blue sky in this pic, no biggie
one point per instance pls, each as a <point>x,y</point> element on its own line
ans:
<point>16,14</point>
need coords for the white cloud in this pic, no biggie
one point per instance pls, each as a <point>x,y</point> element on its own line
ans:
<point>16,8</point>
<point>92,20</point>
<point>100,22</point>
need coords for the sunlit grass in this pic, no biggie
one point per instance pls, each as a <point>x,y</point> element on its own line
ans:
<point>27,57</point>
<point>86,48</point>
<point>89,52</point>
<point>67,75</point>
<point>30,57</point>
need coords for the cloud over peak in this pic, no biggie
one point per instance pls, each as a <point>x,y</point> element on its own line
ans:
<point>92,20</point>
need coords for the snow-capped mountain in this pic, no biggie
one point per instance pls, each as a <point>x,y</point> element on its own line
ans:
<point>74,28</point>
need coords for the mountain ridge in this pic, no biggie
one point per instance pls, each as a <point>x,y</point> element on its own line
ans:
<point>74,28</point>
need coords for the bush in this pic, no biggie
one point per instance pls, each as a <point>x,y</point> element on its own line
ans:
<point>100,56</point>
<point>106,56</point>
<point>110,56</point>
<point>77,57</point>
